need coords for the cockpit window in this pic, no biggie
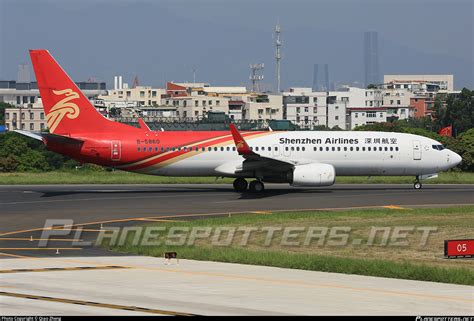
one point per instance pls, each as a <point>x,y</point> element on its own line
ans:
<point>438,147</point>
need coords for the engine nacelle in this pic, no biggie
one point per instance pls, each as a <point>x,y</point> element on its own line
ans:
<point>314,174</point>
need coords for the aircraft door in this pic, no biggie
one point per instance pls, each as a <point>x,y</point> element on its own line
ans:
<point>416,150</point>
<point>116,150</point>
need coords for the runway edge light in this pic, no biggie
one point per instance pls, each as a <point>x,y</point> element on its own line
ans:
<point>459,248</point>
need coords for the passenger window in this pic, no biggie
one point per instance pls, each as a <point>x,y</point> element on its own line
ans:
<point>162,148</point>
<point>233,148</point>
<point>156,149</point>
<point>345,148</point>
<point>138,148</point>
<point>396,148</point>
<point>315,148</point>
<point>228,148</point>
<point>209,149</point>
<point>333,149</point>
<point>391,148</point>
<point>150,149</point>
<point>286,148</point>
<point>298,149</point>
<point>292,148</point>
<point>179,148</point>
<point>386,148</point>
<point>357,148</point>
<point>352,148</point>
<point>185,149</point>
<point>321,148</point>
<point>380,148</point>
<point>327,148</point>
<point>215,149</point>
<point>302,148</point>
<point>363,148</point>
<point>369,148</point>
<point>276,148</point>
<point>256,149</point>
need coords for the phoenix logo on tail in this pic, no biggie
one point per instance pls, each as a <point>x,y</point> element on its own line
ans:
<point>62,108</point>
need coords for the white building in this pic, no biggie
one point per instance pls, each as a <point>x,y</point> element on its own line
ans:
<point>336,110</point>
<point>367,115</point>
<point>263,107</point>
<point>196,106</point>
<point>305,108</point>
<point>420,82</point>
<point>138,96</point>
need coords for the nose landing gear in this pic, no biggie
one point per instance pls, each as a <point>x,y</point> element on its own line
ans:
<point>417,184</point>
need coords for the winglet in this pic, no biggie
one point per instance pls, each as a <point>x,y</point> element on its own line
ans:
<point>242,146</point>
<point>143,125</point>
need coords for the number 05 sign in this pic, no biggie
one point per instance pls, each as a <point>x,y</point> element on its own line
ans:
<point>458,248</point>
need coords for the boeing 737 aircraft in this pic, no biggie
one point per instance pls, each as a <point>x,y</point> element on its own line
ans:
<point>301,158</point>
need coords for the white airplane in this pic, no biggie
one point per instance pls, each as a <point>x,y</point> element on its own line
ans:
<point>300,158</point>
<point>305,158</point>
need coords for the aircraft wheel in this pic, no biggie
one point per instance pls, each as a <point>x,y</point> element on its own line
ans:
<point>417,185</point>
<point>240,185</point>
<point>256,186</point>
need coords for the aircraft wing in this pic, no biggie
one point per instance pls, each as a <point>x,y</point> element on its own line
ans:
<point>254,161</point>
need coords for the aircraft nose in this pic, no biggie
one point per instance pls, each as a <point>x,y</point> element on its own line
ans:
<point>456,159</point>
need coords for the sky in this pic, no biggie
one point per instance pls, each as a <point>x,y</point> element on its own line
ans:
<point>161,41</point>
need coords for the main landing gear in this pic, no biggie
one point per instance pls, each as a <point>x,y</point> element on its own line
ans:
<point>417,184</point>
<point>240,185</point>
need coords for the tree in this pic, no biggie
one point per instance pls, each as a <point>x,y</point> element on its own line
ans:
<point>19,153</point>
<point>2,111</point>
<point>467,142</point>
<point>458,111</point>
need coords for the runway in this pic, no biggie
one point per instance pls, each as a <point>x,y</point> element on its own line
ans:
<point>25,209</point>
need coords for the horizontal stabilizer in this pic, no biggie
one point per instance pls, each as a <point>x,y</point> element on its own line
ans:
<point>58,139</point>
<point>33,135</point>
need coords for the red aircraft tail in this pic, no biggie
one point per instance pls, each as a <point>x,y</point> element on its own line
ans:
<point>67,110</point>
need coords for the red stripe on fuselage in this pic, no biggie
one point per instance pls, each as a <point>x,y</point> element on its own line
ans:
<point>209,142</point>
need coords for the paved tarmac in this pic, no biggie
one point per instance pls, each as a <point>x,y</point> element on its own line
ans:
<point>146,286</point>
